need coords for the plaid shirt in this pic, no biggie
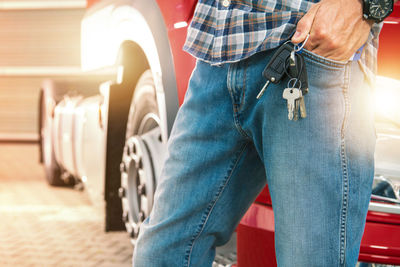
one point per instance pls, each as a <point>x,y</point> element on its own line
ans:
<point>225,31</point>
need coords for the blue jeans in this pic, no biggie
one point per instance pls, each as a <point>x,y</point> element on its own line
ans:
<point>226,145</point>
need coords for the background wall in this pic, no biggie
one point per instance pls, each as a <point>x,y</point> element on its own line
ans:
<point>38,39</point>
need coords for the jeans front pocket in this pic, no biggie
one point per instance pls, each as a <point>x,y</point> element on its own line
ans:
<point>324,73</point>
<point>323,61</point>
<point>327,101</point>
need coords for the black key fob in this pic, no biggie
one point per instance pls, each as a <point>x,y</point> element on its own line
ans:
<point>275,69</point>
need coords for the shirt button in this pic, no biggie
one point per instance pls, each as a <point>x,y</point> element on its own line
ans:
<point>226,3</point>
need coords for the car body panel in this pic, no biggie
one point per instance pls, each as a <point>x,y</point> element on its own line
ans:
<point>177,15</point>
<point>388,54</point>
<point>381,239</point>
<point>255,235</point>
<point>109,23</point>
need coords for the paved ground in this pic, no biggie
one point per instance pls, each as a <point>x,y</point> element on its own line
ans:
<point>42,225</point>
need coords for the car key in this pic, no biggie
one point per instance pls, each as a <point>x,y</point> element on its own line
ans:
<point>303,112</point>
<point>275,69</point>
<point>291,94</point>
<point>296,109</point>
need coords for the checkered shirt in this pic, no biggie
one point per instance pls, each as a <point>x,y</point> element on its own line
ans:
<point>225,31</point>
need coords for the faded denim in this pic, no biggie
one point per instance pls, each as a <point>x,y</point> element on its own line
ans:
<point>226,145</point>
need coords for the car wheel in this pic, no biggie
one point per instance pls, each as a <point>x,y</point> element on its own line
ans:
<point>142,156</point>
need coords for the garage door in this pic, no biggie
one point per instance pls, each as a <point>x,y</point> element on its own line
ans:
<point>38,39</point>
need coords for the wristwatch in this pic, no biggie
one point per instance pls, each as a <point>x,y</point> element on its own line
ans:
<point>377,10</point>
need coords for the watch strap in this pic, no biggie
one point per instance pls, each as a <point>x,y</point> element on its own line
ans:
<point>366,4</point>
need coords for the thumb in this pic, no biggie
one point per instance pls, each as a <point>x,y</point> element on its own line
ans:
<point>305,24</point>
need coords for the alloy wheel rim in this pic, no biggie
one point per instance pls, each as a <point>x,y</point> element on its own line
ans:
<point>137,177</point>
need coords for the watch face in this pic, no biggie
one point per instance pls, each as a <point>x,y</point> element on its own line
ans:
<point>380,8</point>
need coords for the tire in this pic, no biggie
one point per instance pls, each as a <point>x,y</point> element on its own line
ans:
<point>143,118</point>
<point>144,102</point>
<point>48,102</point>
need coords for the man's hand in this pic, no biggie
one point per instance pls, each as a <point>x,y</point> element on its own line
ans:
<point>336,27</point>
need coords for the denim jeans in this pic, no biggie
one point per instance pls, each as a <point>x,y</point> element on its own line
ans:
<point>226,145</point>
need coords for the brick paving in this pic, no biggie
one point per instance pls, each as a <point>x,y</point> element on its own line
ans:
<point>42,225</point>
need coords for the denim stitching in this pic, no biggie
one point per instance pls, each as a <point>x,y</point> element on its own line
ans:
<point>231,70</point>
<point>212,204</point>
<point>232,73</point>
<point>345,181</point>
<point>231,82</point>
<point>239,127</point>
<point>244,85</point>
<point>324,61</point>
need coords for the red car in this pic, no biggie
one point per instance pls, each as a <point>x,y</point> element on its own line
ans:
<point>138,45</point>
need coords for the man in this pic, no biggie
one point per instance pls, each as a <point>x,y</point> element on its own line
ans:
<point>226,144</point>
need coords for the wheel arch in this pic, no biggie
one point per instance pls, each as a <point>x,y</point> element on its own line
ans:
<point>133,29</point>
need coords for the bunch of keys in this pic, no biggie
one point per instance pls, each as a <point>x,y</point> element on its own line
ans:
<point>287,61</point>
<point>295,100</point>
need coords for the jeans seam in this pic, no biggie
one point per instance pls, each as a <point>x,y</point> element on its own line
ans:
<point>345,178</point>
<point>242,101</point>
<point>240,129</point>
<point>232,71</point>
<point>212,204</point>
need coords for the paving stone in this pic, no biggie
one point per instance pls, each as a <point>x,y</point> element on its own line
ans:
<point>41,225</point>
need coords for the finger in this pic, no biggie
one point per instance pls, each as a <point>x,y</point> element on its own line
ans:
<point>305,24</point>
<point>311,43</point>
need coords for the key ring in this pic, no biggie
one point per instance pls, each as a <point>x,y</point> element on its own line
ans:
<point>295,82</point>
<point>296,46</point>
